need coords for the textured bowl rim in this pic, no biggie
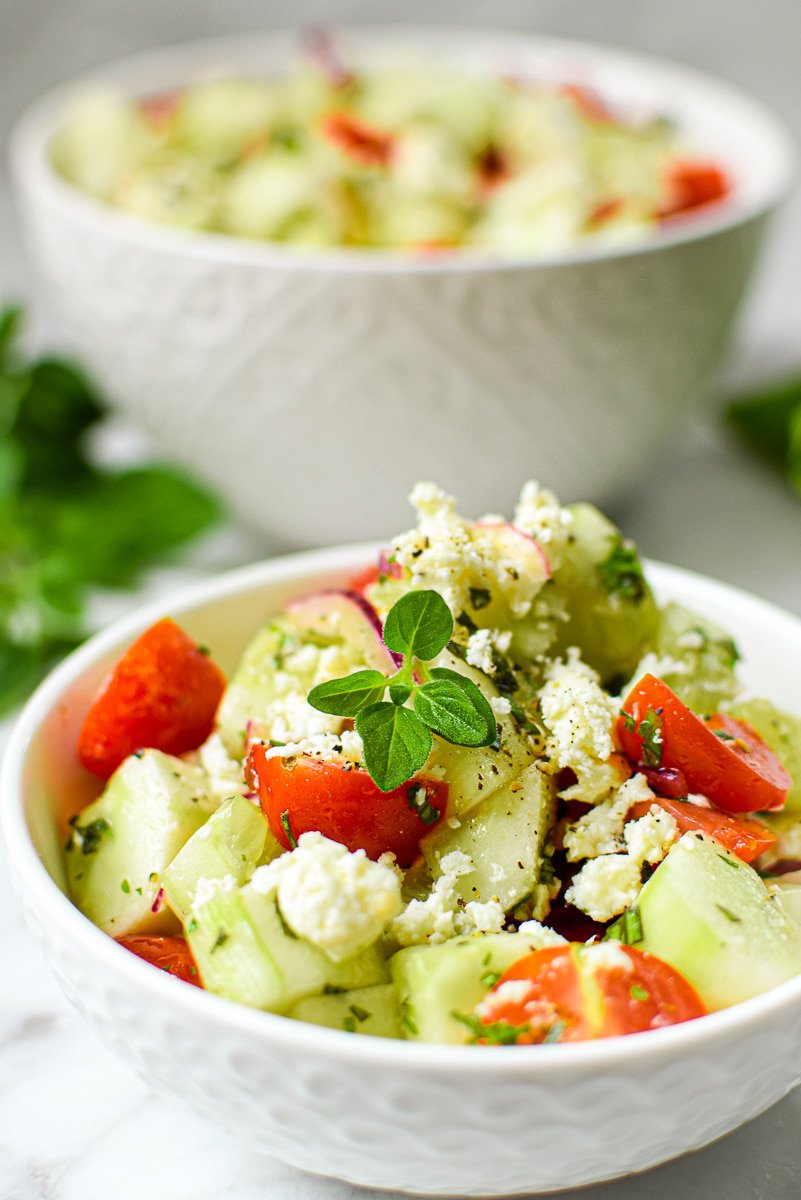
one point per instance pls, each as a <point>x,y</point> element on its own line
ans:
<point>55,910</point>
<point>32,171</point>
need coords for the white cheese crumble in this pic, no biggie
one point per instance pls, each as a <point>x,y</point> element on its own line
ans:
<point>601,830</point>
<point>579,717</point>
<point>649,838</point>
<point>500,705</point>
<point>607,956</point>
<point>441,915</point>
<point>458,557</point>
<point>540,514</point>
<point>225,775</point>
<point>338,900</point>
<point>605,886</point>
<point>330,747</point>
<point>207,889</point>
<point>541,935</point>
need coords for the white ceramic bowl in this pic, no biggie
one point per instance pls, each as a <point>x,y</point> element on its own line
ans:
<point>308,385</point>
<point>428,1119</point>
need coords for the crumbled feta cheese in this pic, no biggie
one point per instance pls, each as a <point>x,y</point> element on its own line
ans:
<point>441,916</point>
<point>605,886</point>
<point>479,650</point>
<point>511,991</point>
<point>339,901</point>
<point>601,830</point>
<point>458,557</point>
<point>500,705</point>
<point>650,837</point>
<point>208,888</point>
<point>225,776</point>
<point>607,956</point>
<point>541,935</point>
<point>579,717</point>
<point>540,514</point>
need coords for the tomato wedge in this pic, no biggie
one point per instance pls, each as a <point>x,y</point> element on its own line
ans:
<point>163,693</point>
<point>342,802</point>
<point>691,184</point>
<point>744,836</point>
<point>577,992</point>
<point>723,759</point>
<point>357,140</point>
<point>170,954</point>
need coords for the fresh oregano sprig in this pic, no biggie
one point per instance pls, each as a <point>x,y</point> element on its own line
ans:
<point>397,738</point>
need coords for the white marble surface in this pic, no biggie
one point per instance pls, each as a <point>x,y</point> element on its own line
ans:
<point>77,1125</point>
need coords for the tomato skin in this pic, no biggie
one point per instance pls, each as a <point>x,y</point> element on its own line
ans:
<point>588,992</point>
<point>170,954</point>
<point>744,836</point>
<point>357,140</point>
<point>163,693</point>
<point>692,184</point>
<point>343,804</point>
<point>737,773</point>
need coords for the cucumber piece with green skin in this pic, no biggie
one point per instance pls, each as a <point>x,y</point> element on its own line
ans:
<point>372,1010</point>
<point>122,842</point>
<point>611,613</point>
<point>504,835</point>
<point>782,732</point>
<point>710,915</point>
<point>696,658</point>
<point>230,844</point>
<point>245,952</point>
<point>473,773</point>
<point>436,981</point>
<point>254,685</point>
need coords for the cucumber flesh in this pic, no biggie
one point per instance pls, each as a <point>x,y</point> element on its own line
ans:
<point>230,844</point>
<point>254,686</point>
<point>710,915</point>
<point>472,774</point>
<point>782,732</point>
<point>244,952</point>
<point>504,836</point>
<point>435,981</point>
<point>697,659</point>
<point>151,806</point>
<point>611,612</point>
<point>371,1010</point>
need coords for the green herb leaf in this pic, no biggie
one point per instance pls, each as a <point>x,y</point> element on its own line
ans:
<point>418,624</point>
<point>347,696</point>
<point>649,731</point>
<point>455,709</point>
<point>495,1033</point>
<point>621,571</point>
<point>287,828</point>
<point>396,743</point>
<point>418,801</point>
<point>627,928</point>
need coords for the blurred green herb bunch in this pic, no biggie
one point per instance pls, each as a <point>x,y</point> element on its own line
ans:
<point>67,524</point>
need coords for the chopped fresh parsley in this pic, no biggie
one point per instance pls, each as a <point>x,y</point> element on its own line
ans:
<point>627,928</point>
<point>621,571</point>
<point>638,993</point>
<point>287,828</point>
<point>649,731</point>
<point>89,837</point>
<point>418,801</point>
<point>494,1033</point>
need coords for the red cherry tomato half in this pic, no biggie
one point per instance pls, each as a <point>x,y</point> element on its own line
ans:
<point>692,184</point>
<point>357,140</point>
<point>343,803</point>
<point>170,954</point>
<point>744,836</point>
<point>163,694</point>
<point>723,759</point>
<point>578,992</point>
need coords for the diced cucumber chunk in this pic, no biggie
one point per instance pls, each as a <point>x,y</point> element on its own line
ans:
<point>697,659</point>
<point>435,981</point>
<point>230,844</point>
<point>245,952</point>
<point>611,612</point>
<point>710,915</point>
<point>504,835</point>
<point>471,773</point>
<point>782,732</point>
<point>371,1010</point>
<point>789,895</point>
<point>122,842</point>
<point>255,684</point>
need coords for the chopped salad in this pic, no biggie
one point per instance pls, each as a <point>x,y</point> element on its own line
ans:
<point>408,158</point>
<point>490,792</point>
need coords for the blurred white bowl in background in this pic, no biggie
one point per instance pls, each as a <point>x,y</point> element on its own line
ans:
<point>312,388</point>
